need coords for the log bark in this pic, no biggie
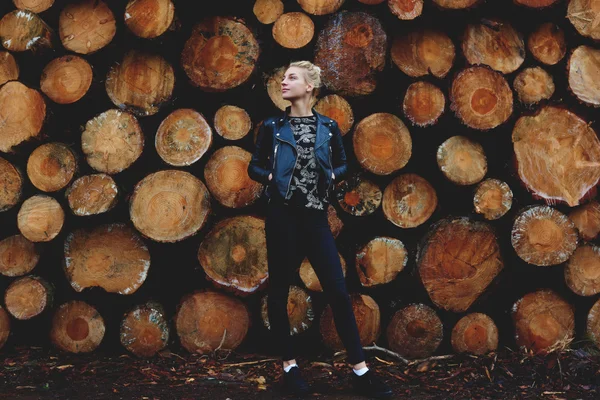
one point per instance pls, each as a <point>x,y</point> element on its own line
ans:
<point>232,122</point>
<point>112,257</point>
<point>18,256</point>
<point>169,205</point>
<point>481,98</point>
<point>92,194</point>
<point>380,261</point>
<point>423,52</point>
<point>320,7</point>
<point>562,163</point>
<point>587,220</point>
<point>547,43</point>
<point>9,69</point>
<point>299,310</point>
<point>475,334</point>
<point>51,166</point>
<point>337,108</point>
<point>584,15</point>
<point>40,218</point>
<point>584,73</point>
<point>77,327</point>
<point>457,261</point>
<point>22,30</point>
<point>86,26</point>
<point>543,321</point>
<point>309,276</point>
<point>36,6</point>
<point>493,198</point>
<point>423,103</point>
<point>415,331</point>
<point>4,326</point>
<point>409,200</point>
<point>11,182</point>
<point>66,79</point>
<point>234,254</point>
<point>358,196</point>
<point>22,112</point>
<point>144,329</point>
<point>28,297</point>
<point>543,236</point>
<point>406,9</point>
<point>533,85</point>
<point>183,137</point>
<point>206,321</point>
<point>149,18</point>
<point>382,143</point>
<point>112,141</point>
<point>582,272</point>
<point>293,30</point>
<point>462,160</point>
<point>267,11</point>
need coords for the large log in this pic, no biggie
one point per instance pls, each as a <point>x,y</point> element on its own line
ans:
<point>149,18</point>
<point>592,329</point>
<point>86,26</point>
<point>66,79</point>
<point>293,30</point>
<point>406,9</point>
<point>584,15</point>
<point>380,261</point>
<point>36,6</point>
<point>18,256</point>
<point>409,200</point>
<point>22,112</point>
<point>22,30</point>
<point>320,7</point>
<point>423,52</point>
<point>584,73</point>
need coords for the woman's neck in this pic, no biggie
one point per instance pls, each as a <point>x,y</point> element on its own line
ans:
<point>301,108</point>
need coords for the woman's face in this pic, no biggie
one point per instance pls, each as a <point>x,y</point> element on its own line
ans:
<point>294,85</point>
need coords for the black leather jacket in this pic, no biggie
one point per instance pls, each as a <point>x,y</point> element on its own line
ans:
<point>276,153</point>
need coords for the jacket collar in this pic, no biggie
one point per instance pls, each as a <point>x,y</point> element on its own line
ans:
<point>285,130</point>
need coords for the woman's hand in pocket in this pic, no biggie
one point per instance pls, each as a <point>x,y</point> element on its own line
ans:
<point>270,176</point>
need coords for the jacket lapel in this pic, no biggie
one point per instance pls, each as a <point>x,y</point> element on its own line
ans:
<point>285,129</point>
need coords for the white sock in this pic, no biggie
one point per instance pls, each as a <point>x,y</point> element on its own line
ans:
<point>361,371</point>
<point>287,369</point>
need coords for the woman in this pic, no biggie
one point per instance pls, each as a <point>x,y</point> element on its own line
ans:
<point>298,157</point>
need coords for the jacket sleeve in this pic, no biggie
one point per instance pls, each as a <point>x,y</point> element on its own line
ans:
<point>338,156</point>
<point>258,168</point>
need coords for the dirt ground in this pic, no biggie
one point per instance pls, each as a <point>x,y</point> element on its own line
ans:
<point>38,373</point>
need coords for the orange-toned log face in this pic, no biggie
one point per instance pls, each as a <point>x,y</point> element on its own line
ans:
<point>491,199</point>
<point>359,36</point>
<point>417,329</point>
<point>483,101</point>
<point>149,336</point>
<point>382,146</point>
<point>217,55</point>
<point>231,172</point>
<point>406,5</point>
<point>544,234</point>
<point>352,198</point>
<point>78,329</point>
<point>475,336</point>
<point>544,330</point>
<point>166,210</point>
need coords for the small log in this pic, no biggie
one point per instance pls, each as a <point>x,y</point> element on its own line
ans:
<point>22,112</point>
<point>335,223</point>
<point>207,321</point>
<point>226,176</point>
<point>112,257</point>
<point>423,103</point>
<point>149,18</point>
<point>475,333</point>
<point>86,26</point>
<point>169,205</point>
<point>368,320</point>
<point>462,160</point>
<point>457,261</point>
<point>382,143</point>
<point>299,310</point>
<point>358,196</point>
<point>66,79</point>
<point>415,331</point>
<point>543,321</point>
<point>77,327</point>
<point>351,50</point>
<point>380,261</point>
<point>535,3</point>
<point>40,218</point>
<point>309,276</point>
<point>293,30</point>
<point>456,4</point>
<point>320,7</point>
<point>584,73</point>
<point>28,297</point>
<point>584,15</point>
<point>36,6</point>
<point>543,236</point>
<point>273,84</point>
<point>562,163</point>
<point>582,272</point>
<point>11,183</point>
<point>4,326</point>
<point>423,52</point>
<point>587,220</point>
<point>220,54</point>
<point>409,200</point>
<point>533,85</point>
<point>337,108</point>
<point>592,329</point>
<point>267,11</point>
<point>9,69</point>
<point>141,83</point>
<point>145,329</point>
<point>92,195</point>
<point>112,141</point>
<point>547,43</point>
<point>232,123</point>
<point>51,166</point>
<point>406,9</point>
<point>22,30</point>
<point>234,254</point>
<point>18,256</point>
<point>481,98</point>
<point>183,137</point>
<point>493,198</point>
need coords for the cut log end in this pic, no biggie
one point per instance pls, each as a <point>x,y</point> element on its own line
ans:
<point>18,256</point>
<point>423,52</point>
<point>582,272</point>
<point>462,160</point>
<point>184,137</point>
<point>23,30</point>
<point>409,200</point>
<point>299,310</point>
<point>415,331</point>
<point>587,220</point>
<point>232,123</point>
<point>40,218</point>
<point>145,330</point>
<point>584,73</point>
<point>77,327</point>
<point>267,11</point>
<point>92,194</point>
<point>11,183</point>
<point>423,103</point>
<point>493,198</point>
<point>28,297</point>
<point>86,27</point>
<point>456,4</point>
<point>358,196</point>
<point>338,109</point>
<point>36,6</point>
<point>149,18</point>
<point>51,167</point>
<point>406,9</point>
<point>380,261</point>
<point>533,85</point>
<point>66,79</point>
<point>309,276</point>
<point>475,334</point>
<point>293,30</point>
<point>22,112</point>
<point>9,69</point>
<point>547,43</point>
<point>584,15</point>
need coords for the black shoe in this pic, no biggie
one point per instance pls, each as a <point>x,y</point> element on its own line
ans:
<point>294,383</point>
<point>370,385</point>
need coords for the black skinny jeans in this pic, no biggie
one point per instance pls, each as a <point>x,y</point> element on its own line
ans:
<point>294,232</point>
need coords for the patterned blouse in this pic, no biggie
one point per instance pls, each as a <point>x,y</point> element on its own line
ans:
<point>303,188</point>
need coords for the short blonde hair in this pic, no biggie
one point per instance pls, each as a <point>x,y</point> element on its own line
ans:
<point>312,74</point>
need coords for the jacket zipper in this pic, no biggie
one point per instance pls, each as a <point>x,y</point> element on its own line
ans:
<point>295,162</point>
<point>331,179</point>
